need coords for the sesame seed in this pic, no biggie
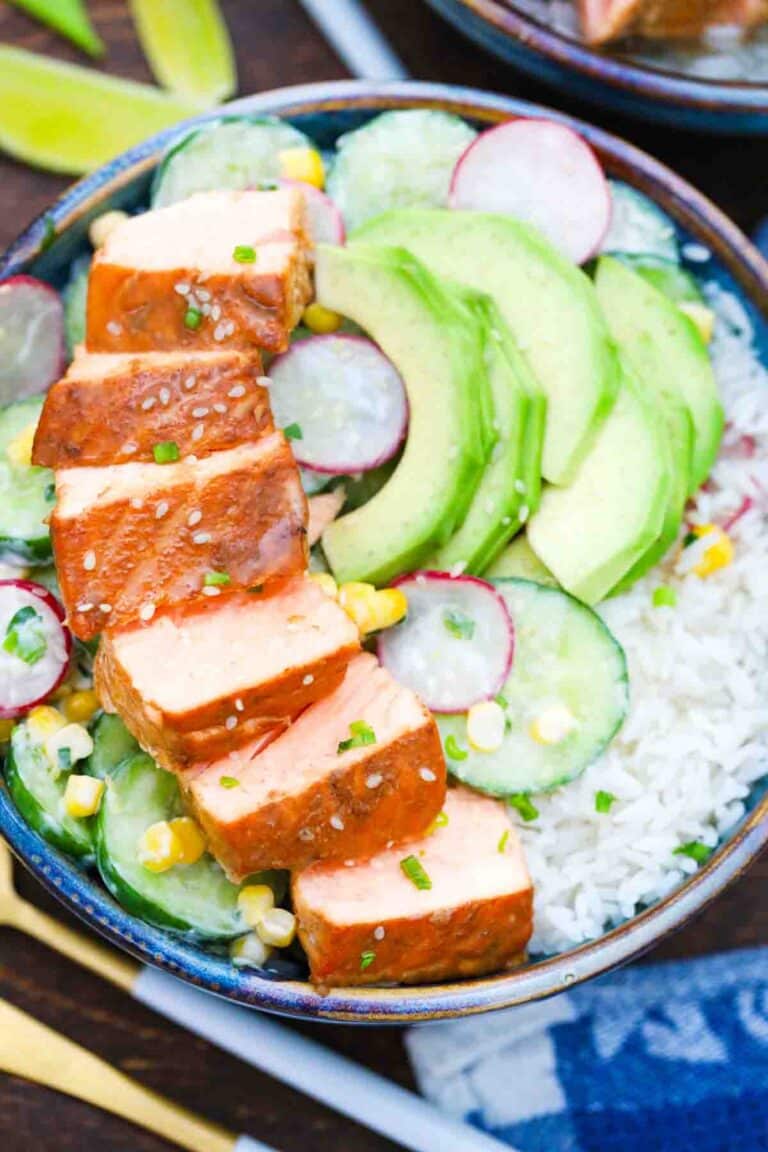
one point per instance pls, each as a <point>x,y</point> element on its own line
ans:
<point>191,459</point>
<point>201,538</point>
<point>374,780</point>
<point>519,487</point>
<point>306,834</point>
<point>308,679</point>
<point>198,413</point>
<point>105,608</point>
<point>114,328</point>
<point>129,449</point>
<point>236,392</point>
<point>137,502</point>
<point>203,294</point>
<point>211,590</point>
<point>239,706</point>
<point>215,312</point>
<point>524,513</point>
<point>379,933</point>
<point>161,509</point>
<point>230,722</point>
<point>229,327</point>
<point>165,396</point>
<point>220,408</point>
<point>265,381</point>
<point>147,611</point>
<point>85,606</point>
<point>220,332</point>
<point>148,403</point>
<point>194,517</point>
<point>182,288</point>
<point>197,431</point>
<point>506,521</point>
<point>89,561</point>
<point>427,774</point>
<point>337,823</point>
<point>190,382</point>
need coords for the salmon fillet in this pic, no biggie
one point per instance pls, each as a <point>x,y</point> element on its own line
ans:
<point>605,20</point>
<point>134,538</point>
<point>304,797</point>
<point>114,409</point>
<point>170,279</point>
<point>370,924</point>
<point>200,681</point>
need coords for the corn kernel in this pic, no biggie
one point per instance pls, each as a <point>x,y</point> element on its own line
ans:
<point>69,744</point>
<point>255,901</point>
<point>357,600</point>
<point>325,581</point>
<point>43,722</point>
<point>191,838</point>
<point>6,727</point>
<point>249,951</point>
<point>703,318</point>
<point>82,796</point>
<point>553,725</point>
<point>277,928</point>
<point>79,707</point>
<point>486,725</point>
<point>103,226</point>
<point>304,164</point>
<point>718,555</point>
<point>321,320</point>
<point>389,607</point>
<point>19,451</point>
<point>160,848</point>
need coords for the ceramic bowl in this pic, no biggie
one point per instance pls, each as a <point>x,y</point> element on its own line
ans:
<point>657,84</point>
<point>324,111</point>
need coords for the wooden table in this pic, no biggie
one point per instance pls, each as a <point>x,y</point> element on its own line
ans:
<point>277,45</point>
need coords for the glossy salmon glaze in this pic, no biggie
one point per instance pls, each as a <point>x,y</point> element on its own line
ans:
<point>202,680</point>
<point>114,409</point>
<point>169,279</point>
<point>133,539</point>
<point>370,924</point>
<point>304,797</point>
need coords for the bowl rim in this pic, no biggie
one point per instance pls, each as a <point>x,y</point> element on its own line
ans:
<point>86,896</point>
<point>659,85</point>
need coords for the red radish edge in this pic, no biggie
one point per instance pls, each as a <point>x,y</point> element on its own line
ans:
<point>321,198</point>
<point>595,247</point>
<point>434,576</point>
<point>23,278</point>
<point>50,601</point>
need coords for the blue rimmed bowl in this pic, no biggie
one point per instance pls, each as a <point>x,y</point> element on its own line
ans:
<point>663,87</point>
<point>324,111</point>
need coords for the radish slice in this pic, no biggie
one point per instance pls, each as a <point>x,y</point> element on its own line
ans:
<point>341,401</point>
<point>326,224</point>
<point>542,173</point>
<point>32,343</point>
<point>456,646</point>
<point>35,646</point>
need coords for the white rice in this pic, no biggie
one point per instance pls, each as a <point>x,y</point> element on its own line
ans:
<point>696,737</point>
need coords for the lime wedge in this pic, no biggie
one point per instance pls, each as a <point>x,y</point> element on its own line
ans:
<point>67,17</point>
<point>188,47</point>
<point>70,119</point>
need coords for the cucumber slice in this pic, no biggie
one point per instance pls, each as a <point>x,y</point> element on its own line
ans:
<point>196,899</point>
<point>565,657</point>
<point>112,743</point>
<point>639,227</point>
<point>75,297</point>
<point>232,152</point>
<point>26,493</point>
<point>398,160</point>
<point>38,792</point>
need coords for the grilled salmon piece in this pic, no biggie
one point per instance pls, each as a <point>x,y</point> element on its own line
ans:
<point>370,923</point>
<point>133,538</point>
<point>112,409</point>
<point>220,270</point>
<point>357,769</point>
<point>689,19</point>
<point>605,20</point>
<point>201,680</point>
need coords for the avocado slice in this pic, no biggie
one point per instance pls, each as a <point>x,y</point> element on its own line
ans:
<point>666,351</point>
<point>549,305</point>
<point>435,342</point>
<point>511,482</point>
<point>591,533</point>
<point>518,560</point>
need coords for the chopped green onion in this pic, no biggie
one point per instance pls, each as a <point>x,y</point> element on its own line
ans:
<point>441,820</point>
<point>604,801</point>
<point>50,492</point>
<point>267,185</point>
<point>366,959</point>
<point>503,841</point>
<point>25,636</point>
<point>64,757</point>
<point>664,597</point>
<point>244,254</point>
<point>192,318</point>
<point>414,870</point>
<point>293,432</point>
<point>689,538</point>
<point>166,452</point>
<point>361,735</point>
<point>229,782</point>
<point>458,624</point>
<point>216,579</point>
<point>524,806</point>
<point>501,700</point>
<point>695,850</point>
<point>453,750</point>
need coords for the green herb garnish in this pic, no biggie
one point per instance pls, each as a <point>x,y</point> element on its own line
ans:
<point>503,841</point>
<point>293,432</point>
<point>664,597</point>
<point>361,735</point>
<point>216,579</point>
<point>452,749</point>
<point>695,850</point>
<point>193,318</point>
<point>229,782</point>
<point>524,806</point>
<point>414,870</point>
<point>25,636</point>
<point>244,254</point>
<point>689,538</point>
<point>440,821</point>
<point>458,624</point>
<point>366,959</point>
<point>604,801</point>
<point>501,700</point>
<point>267,185</point>
<point>166,452</point>
<point>50,492</point>
<point>64,758</point>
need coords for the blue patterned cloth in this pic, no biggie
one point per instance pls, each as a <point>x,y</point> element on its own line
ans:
<point>667,1057</point>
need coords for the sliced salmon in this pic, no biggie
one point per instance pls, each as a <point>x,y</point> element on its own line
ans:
<point>689,19</point>
<point>370,923</point>
<point>113,409</point>
<point>605,20</point>
<point>202,680</point>
<point>323,510</point>
<point>131,539</point>
<point>220,270</point>
<point>310,795</point>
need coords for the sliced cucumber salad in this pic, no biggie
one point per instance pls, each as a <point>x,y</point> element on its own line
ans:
<point>37,785</point>
<point>26,493</point>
